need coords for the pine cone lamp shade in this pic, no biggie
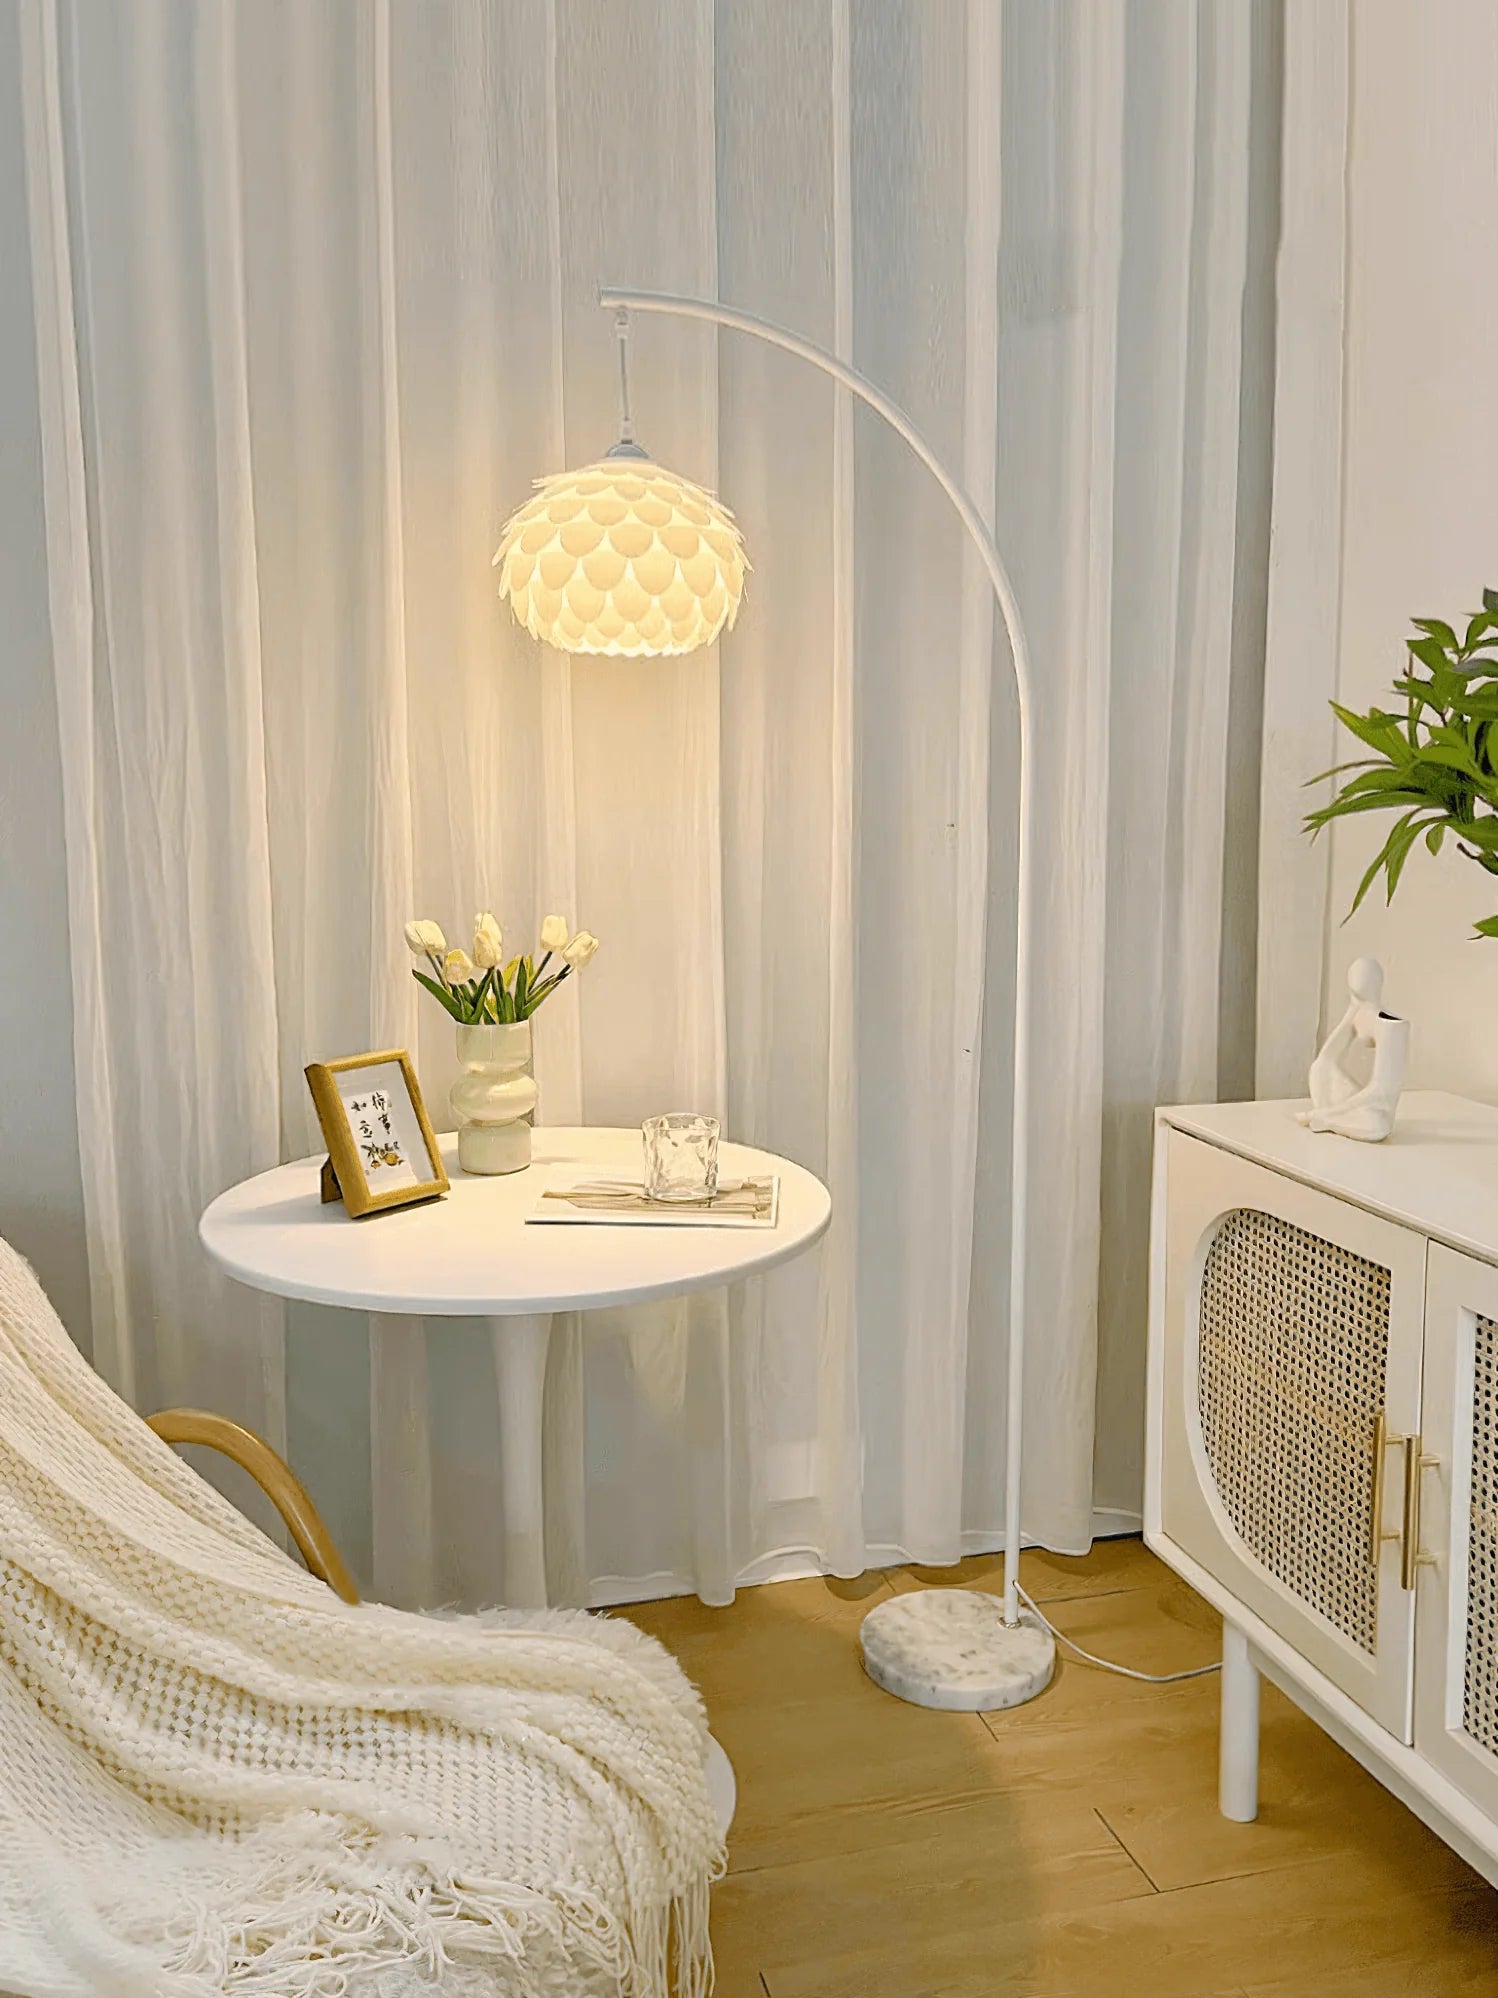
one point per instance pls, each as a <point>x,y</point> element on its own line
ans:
<point>624,559</point>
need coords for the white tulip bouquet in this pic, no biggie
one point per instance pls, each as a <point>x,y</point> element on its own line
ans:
<point>478,988</point>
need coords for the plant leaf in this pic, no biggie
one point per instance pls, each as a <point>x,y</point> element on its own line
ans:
<point>1438,629</point>
<point>1476,703</point>
<point>1382,778</point>
<point>1379,731</point>
<point>438,992</point>
<point>1380,861</point>
<point>1430,652</point>
<point>544,989</point>
<point>1358,763</point>
<point>1448,756</point>
<point>1401,841</point>
<point>1369,801</point>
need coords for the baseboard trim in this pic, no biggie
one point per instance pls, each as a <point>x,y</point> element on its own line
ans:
<point>795,1564</point>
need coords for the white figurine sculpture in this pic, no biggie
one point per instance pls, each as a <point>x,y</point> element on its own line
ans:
<point>1340,1100</point>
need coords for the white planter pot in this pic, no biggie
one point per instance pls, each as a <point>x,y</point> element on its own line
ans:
<point>494,1097</point>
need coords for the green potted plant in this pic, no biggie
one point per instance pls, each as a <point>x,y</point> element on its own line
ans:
<point>1434,759</point>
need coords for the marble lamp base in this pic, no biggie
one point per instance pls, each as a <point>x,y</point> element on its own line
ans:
<point>951,1648</point>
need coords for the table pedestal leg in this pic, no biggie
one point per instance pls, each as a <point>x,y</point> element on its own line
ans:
<point>520,1371</point>
<point>722,1784</point>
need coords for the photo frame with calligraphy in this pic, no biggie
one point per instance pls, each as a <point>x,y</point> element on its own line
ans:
<point>382,1151</point>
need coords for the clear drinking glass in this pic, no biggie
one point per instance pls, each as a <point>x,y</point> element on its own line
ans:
<point>681,1157</point>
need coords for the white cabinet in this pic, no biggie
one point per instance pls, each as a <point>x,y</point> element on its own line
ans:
<point>1295,1353</point>
<point>1454,1517</point>
<point>1323,1459</point>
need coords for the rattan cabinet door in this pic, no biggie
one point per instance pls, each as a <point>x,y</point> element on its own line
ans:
<point>1456,1644</point>
<point>1292,1325</point>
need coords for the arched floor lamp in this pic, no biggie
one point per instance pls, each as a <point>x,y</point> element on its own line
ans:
<point>626,559</point>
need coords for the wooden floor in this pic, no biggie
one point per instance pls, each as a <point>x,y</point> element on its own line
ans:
<point>1071,1848</point>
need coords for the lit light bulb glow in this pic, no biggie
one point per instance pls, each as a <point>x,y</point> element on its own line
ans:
<point>624,559</point>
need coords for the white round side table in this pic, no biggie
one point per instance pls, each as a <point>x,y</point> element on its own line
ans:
<point>473,1255</point>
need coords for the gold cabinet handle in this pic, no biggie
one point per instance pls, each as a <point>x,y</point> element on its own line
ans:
<point>1411,1559</point>
<point>1384,1438</point>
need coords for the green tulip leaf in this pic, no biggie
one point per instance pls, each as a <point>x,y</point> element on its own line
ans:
<point>440,993</point>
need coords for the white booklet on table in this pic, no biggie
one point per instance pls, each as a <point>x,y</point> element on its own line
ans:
<point>738,1203</point>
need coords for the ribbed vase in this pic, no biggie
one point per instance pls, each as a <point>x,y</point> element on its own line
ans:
<point>494,1097</point>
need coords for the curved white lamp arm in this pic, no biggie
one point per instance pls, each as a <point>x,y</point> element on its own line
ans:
<point>792,343</point>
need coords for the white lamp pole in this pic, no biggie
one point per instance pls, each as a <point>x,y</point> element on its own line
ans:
<point>1017,1654</point>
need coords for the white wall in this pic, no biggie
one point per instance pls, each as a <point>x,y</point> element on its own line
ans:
<point>41,1200</point>
<point>1421,474</point>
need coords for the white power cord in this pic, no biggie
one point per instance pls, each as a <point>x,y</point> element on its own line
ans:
<point>1107,1664</point>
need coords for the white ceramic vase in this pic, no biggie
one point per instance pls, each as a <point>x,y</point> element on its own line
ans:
<point>493,1098</point>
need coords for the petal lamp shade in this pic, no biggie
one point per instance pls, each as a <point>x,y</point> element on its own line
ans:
<point>622,558</point>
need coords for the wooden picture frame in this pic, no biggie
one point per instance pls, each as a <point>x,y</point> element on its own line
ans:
<point>373,1129</point>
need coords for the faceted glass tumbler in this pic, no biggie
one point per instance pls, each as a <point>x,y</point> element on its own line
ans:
<point>681,1157</point>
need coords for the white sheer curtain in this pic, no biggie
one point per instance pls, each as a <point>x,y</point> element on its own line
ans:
<point>314,286</point>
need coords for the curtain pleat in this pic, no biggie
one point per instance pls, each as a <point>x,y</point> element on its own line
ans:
<point>1181,311</point>
<point>1304,584</point>
<point>316,303</point>
<point>153,568</point>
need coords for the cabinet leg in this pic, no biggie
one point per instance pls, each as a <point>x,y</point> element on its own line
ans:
<point>520,1370</point>
<point>1238,1767</point>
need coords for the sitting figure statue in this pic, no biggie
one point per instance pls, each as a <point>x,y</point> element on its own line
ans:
<point>1340,1101</point>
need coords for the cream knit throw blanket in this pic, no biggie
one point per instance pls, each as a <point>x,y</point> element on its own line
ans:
<point>216,1778</point>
